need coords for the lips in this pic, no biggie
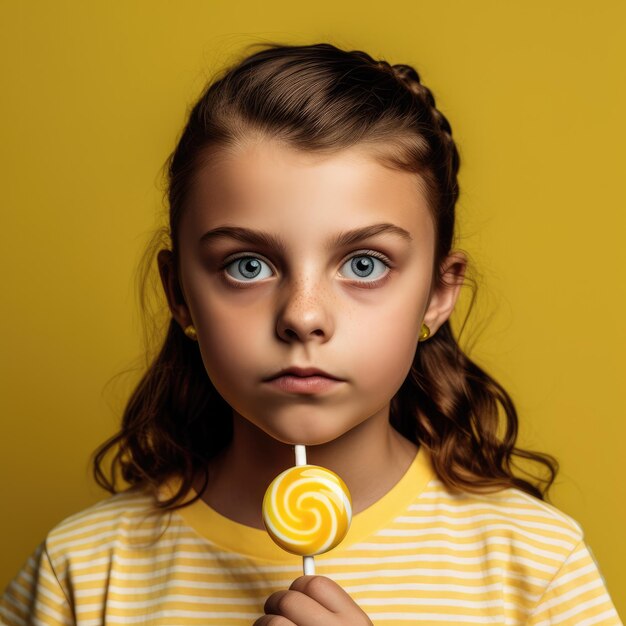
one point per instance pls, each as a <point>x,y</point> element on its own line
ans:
<point>303,372</point>
<point>304,381</point>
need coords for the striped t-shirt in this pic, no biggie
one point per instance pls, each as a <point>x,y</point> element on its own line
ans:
<point>420,555</point>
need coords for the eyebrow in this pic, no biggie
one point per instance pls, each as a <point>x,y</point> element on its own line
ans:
<point>260,238</point>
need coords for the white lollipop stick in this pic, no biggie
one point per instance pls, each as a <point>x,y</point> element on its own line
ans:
<point>308,564</point>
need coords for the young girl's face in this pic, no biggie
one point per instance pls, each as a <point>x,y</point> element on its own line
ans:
<point>352,308</point>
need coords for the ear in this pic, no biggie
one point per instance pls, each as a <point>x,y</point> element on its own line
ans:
<point>444,297</point>
<point>172,288</point>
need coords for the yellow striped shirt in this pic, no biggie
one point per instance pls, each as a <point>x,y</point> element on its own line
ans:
<point>418,555</point>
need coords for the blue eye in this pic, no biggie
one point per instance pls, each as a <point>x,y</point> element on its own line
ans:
<point>249,267</point>
<point>364,265</point>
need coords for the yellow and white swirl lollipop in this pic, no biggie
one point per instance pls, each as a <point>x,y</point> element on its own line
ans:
<point>307,510</point>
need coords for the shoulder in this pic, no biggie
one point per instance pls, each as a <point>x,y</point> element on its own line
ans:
<point>80,545</point>
<point>514,506</point>
<point>117,509</point>
<point>509,531</point>
<point>121,520</point>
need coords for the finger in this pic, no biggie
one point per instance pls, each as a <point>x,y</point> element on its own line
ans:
<point>297,607</point>
<point>273,620</point>
<point>324,591</point>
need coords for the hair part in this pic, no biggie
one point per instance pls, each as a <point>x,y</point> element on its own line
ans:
<point>321,99</point>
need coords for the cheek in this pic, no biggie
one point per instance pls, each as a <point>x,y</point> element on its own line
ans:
<point>388,353</point>
<point>386,343</point>
<point>229,346</point>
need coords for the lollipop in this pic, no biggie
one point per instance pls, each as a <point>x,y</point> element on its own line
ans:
<point>307,510</point>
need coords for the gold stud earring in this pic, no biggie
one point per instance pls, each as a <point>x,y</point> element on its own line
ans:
<point>424,333</point>
<point>190,331</point>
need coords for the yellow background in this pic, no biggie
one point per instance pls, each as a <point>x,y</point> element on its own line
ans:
<point>93,97</point>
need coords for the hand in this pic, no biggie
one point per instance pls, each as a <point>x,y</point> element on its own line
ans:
<point>312,601</point>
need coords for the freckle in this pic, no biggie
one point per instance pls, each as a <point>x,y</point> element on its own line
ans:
<point>307,300</point>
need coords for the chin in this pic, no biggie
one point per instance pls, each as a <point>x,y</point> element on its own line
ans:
<point>310,441</point>
<point>306,437</point>
<point>304,425</point>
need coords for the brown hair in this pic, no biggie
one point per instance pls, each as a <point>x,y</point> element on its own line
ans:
<point>319,98</point>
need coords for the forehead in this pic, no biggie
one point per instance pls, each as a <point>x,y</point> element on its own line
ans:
<point>270,185</point>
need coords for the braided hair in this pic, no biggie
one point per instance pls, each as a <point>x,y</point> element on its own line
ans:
<point>319,98</point>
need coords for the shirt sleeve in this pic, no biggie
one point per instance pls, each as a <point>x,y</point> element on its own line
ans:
<point>35,596</point>
<point>576,595</point>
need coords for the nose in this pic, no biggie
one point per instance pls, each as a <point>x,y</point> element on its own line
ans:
<point>304,314</point>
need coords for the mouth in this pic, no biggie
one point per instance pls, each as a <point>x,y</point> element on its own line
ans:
<point>303,380</point>
<point>303,372</point>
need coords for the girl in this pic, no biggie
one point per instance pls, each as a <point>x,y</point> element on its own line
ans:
<point>310,275</point>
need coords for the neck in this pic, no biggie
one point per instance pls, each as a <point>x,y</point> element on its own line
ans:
<point>371,458</point>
